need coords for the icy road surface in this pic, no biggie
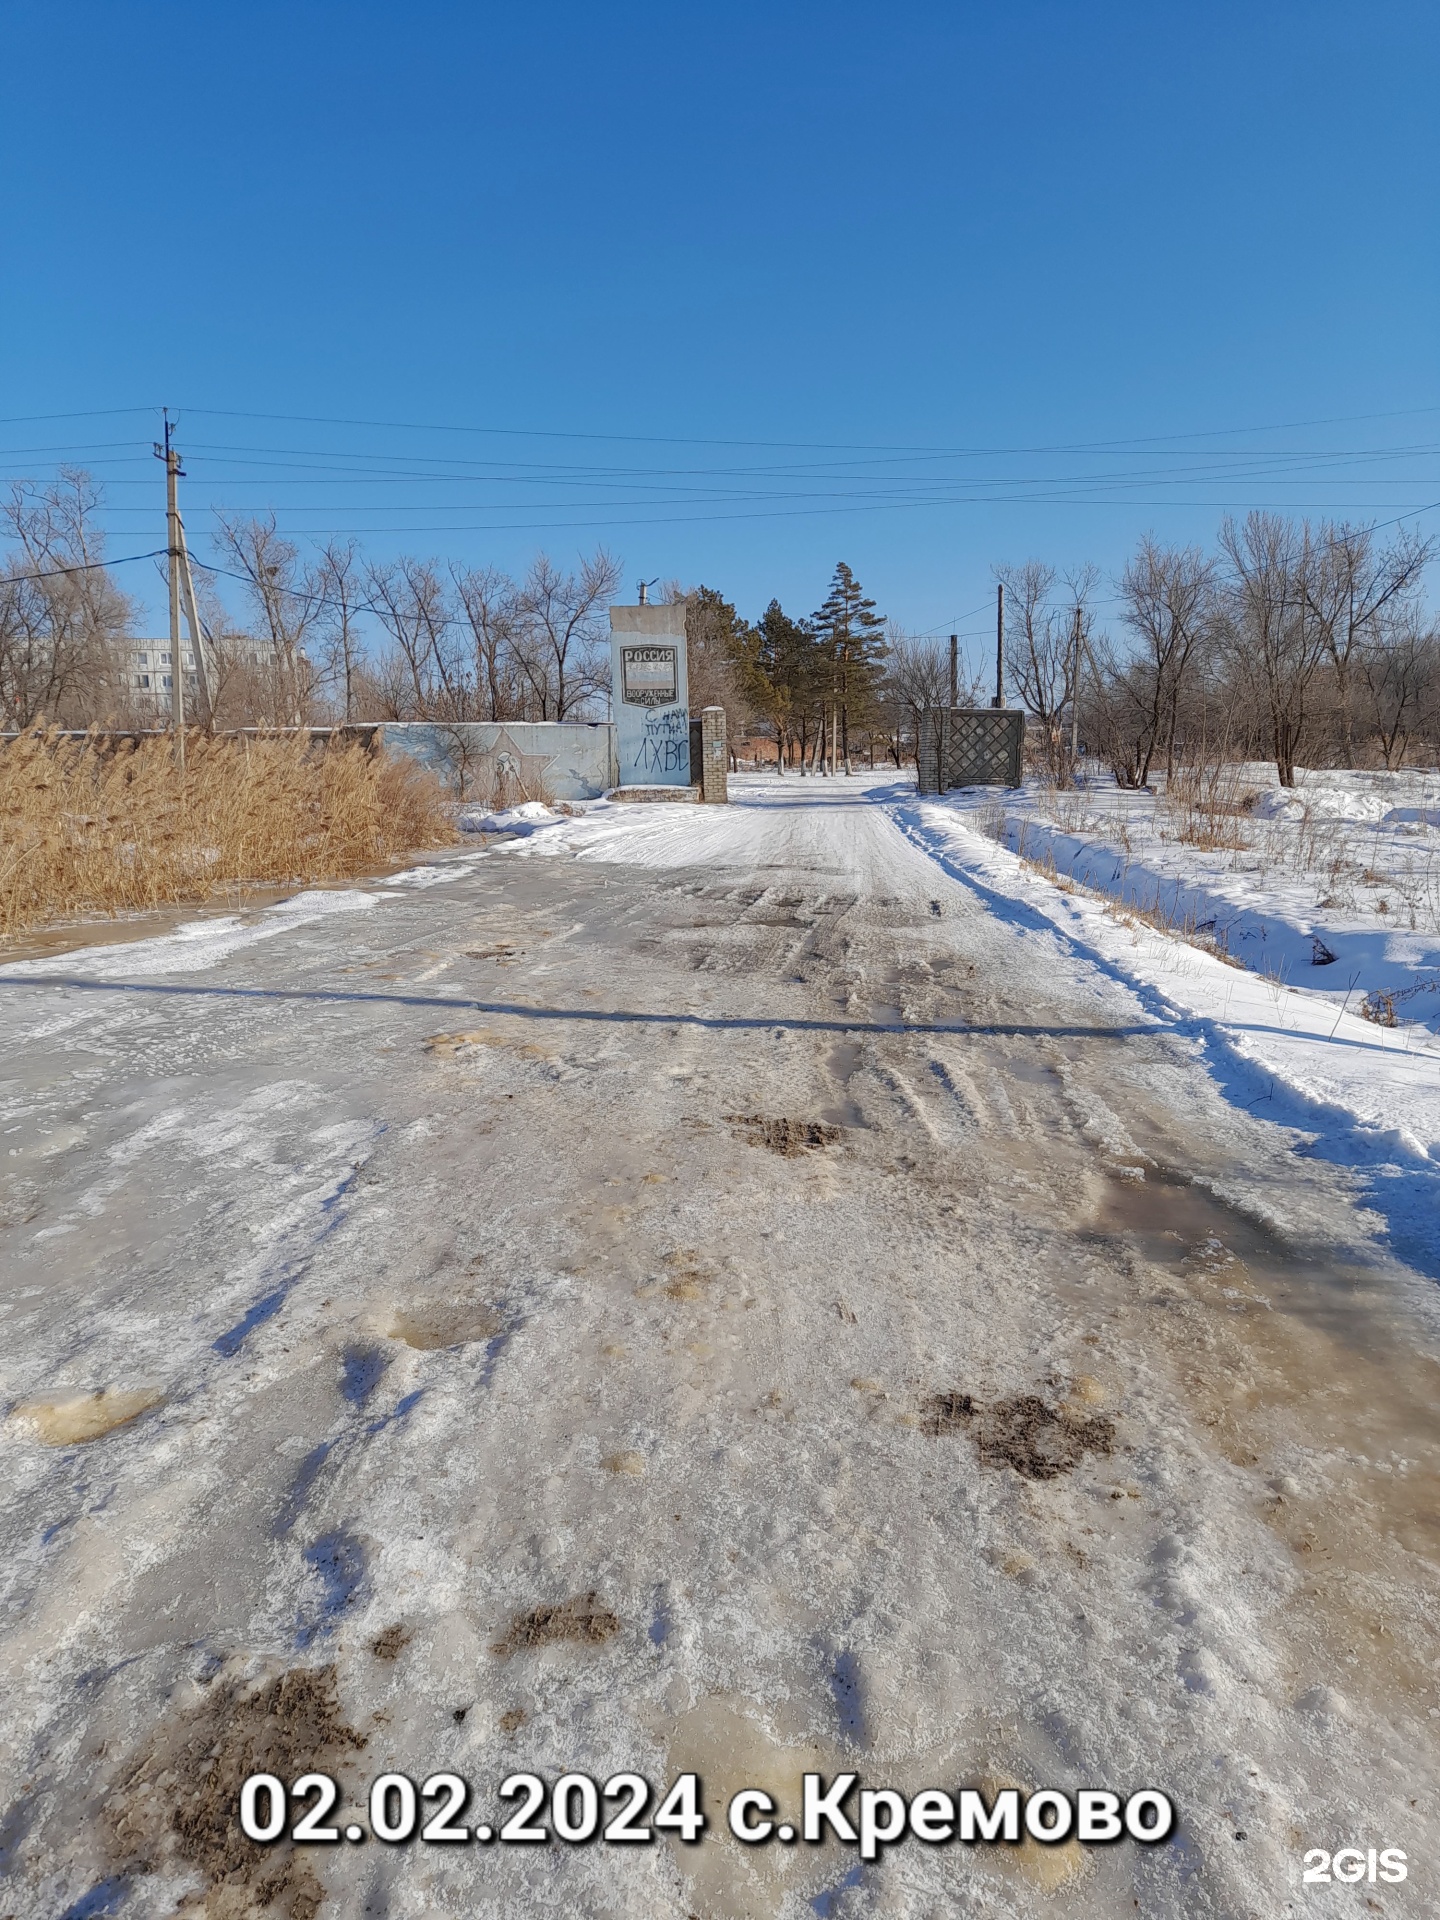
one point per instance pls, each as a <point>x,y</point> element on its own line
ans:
<point>689,1290</point>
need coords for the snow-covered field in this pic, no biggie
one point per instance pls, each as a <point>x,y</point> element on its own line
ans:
<point>1332,886</point>
<point>735,1289</point>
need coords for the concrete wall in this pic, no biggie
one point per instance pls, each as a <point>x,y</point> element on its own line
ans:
<point>505,761</point>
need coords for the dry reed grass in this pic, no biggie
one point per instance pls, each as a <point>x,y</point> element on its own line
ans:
<point>88,827</point>
<point>1206,805</point>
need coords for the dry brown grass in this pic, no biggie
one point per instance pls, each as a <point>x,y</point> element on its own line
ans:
<point>1206,806</point>
<point>87,827</point>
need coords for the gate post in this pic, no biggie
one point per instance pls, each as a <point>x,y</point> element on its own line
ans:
<point>714,761</point>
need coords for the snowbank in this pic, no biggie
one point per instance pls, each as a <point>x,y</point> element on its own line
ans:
<point>1368,1096</point>
<point>1332,887</point>
<point>526,818</point>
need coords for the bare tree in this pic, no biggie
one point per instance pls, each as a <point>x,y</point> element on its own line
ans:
<point>429,671</point>
<point>342,593</point>
<point>1168,604</point>
<point>561,632</point>
<point>1045,639</point>
<point>917,679</point>
<point>1398,669</point>
<point>1348,591</point>
<point>486,601</point>
<point>1273,638</point>
<point>62,619</point>
<point>1028,665</point>
<point>286,597</point>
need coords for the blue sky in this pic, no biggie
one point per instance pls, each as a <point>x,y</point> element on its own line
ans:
<point>745,289</point>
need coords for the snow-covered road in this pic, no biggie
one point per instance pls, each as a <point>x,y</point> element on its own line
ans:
<point>690,1289</point>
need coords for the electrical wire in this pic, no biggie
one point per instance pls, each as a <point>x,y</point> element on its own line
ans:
<point>89,566</point>
<point>674,440</point>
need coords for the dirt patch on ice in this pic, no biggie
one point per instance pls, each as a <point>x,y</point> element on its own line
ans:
<point>687,1274</point>
<point>447,1045</point>
<point>628,1462</point>
<point>84,1416</point>
<point>781,1135</point>
<point>390,1644</point>
<point>1024,1432</point>
<point>582,1619</point>
<point>445,1323</point>
<point>943,1412</point>
<point>176,1803</point>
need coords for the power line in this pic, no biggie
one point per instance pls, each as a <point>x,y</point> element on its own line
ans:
<point>89,566</point>
<point>814,446</point>
<point>877,506</point>
<point>85,413</point>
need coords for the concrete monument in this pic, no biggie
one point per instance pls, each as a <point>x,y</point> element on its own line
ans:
<point>650,697</point>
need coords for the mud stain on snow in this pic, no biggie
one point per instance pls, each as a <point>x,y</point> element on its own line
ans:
<point>581,1620</point>
<point>1039,1441</point>
<point>628,1462</point>
<point>1050,1868</point>
<point>392,1642</point>
<point>83,1417</point>
<point>687,1274</point>
<point>174,1805</point>
<point>781,1135</point>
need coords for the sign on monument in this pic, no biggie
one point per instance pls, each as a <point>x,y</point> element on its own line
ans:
<point>651,700</point>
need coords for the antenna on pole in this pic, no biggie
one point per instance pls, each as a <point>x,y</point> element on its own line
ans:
<point>645,586</point>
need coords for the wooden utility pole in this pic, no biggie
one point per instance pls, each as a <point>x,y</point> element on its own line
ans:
<point>999,699</point>
<point>954,669</point>
<point>1075,700</point>
<point>182,592</point>
<point>171,458</point>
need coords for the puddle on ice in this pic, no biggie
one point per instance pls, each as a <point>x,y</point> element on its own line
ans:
<point>730,1748</point>
<point>86,1416</point>
<point>444,1324</point>
<point>1304,1367</point>
<point>148,923</point>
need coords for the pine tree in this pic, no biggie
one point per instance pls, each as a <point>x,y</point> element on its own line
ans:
<point>715,647</point>
<point>794,674</point>
<point>851,637</point>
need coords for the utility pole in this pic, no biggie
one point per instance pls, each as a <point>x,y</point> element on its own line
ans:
<point>999,699</point>
<point>954,669</point>
<point>171,458</point>
<point>1075,700</point>
<point>182,590</point>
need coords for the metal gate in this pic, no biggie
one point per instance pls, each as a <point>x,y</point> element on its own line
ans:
<point>970,747</point>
